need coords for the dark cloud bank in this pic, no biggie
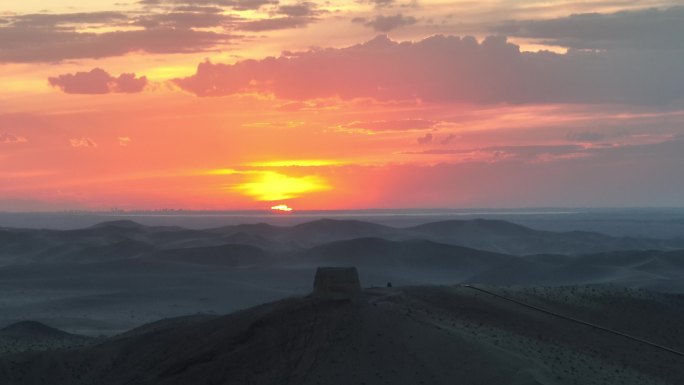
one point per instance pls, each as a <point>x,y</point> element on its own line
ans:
<point>28,44</point>
<point>166,26</point>
<point>649,29</point>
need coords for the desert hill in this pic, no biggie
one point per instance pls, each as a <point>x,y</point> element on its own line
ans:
<point>410,335</point>
<point>510,238</point>
<point>661,270</point>
<point>445,263</point>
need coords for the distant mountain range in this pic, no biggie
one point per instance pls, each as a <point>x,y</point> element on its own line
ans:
<point>489,235</point>
<point>488,251</point>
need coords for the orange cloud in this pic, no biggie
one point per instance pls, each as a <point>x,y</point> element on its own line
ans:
<point>297,163</point>
<point>396,125</point>
<point>124,141</point>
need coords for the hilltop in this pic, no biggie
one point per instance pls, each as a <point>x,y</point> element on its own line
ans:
<point>410,335</point>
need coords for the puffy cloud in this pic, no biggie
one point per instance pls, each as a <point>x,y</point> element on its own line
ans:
<point>449,68</point>
<point>83,142</point>
<point>98,81</point>
<point>426,139</point>
<point>6,138</point>
<point>383,23</point>
<point>641,29</point>
<point>128,83</point>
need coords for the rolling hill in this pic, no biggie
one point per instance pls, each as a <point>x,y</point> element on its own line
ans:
<point>129,239</point>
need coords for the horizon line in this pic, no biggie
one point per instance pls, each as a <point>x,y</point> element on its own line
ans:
<point>437,210</point>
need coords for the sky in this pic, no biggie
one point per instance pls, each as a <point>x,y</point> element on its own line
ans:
<point>249,104</point>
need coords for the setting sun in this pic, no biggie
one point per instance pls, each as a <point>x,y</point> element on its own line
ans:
<point>284,208</point>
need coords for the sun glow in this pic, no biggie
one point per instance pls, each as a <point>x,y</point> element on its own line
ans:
<point>273,186</point>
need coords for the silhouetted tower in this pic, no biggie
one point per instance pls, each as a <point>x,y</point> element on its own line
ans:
<point>337,282</point>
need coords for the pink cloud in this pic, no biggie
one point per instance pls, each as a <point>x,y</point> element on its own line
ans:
<point>448,69</point>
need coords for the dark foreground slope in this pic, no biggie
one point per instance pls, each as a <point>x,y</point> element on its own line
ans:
<point>420,335</point>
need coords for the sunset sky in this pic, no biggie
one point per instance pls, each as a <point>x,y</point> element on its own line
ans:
<point>247,104</point>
